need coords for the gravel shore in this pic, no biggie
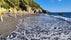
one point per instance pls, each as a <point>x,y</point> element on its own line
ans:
<point>10,23</point>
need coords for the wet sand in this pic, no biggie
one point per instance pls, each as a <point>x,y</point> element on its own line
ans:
<point>10,23</point>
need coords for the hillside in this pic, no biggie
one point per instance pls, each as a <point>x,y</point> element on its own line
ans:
<point>19,4</point>
<point>11,11</point>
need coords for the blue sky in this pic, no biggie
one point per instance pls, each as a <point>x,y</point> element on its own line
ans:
<point>55,5</point>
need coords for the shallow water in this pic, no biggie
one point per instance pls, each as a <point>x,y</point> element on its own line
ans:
<point>42,27</point>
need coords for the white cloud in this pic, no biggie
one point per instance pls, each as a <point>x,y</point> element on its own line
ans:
<point>59,0</point>
<point>55,0</point>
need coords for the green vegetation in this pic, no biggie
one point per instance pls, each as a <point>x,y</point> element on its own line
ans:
<point>19,4</point>
<point>15,6</point>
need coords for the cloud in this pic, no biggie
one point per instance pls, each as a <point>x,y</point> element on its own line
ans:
<point>55,0</point>
<point>59,0</point>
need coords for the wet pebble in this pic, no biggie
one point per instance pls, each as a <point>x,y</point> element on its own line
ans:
<point>22,37</point>
<point>12,35</point>
<point>35,39</point>
<point>69,39</point>
<point>2,38</point>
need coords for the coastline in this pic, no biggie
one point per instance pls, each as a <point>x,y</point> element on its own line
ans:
<point>10,23</point>
<point>40,27</point>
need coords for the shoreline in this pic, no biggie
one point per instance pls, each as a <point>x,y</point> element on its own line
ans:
<point>10,23</point>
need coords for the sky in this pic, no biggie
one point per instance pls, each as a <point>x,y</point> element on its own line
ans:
<point>55,5</point>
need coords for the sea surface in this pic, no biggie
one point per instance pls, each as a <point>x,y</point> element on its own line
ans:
<point>68,15</point>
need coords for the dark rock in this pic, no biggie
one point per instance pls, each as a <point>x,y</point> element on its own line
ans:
<point>48,37</point>
<point>60,14</point>
<point>27,32</point>
<point>66,32</point>
<point>12,35</point>
<point>35,39</point>
<point>2,38</point>
<point>44,38</point>
<point>56,38</point>
<point>54,27</point>
<point>22,38</point>
<point>45,11</point>
<point>69,39</point>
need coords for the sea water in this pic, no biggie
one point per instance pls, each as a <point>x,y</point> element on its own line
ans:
<point>67,14</point>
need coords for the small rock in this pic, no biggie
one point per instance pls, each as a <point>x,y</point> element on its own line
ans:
<point>35,39</point>
<point>56,38</point>
<point>12,35</point>
<point>2,38</point>
<point>44,38</point>
<point>69,39</point>
<point>22,38</point>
